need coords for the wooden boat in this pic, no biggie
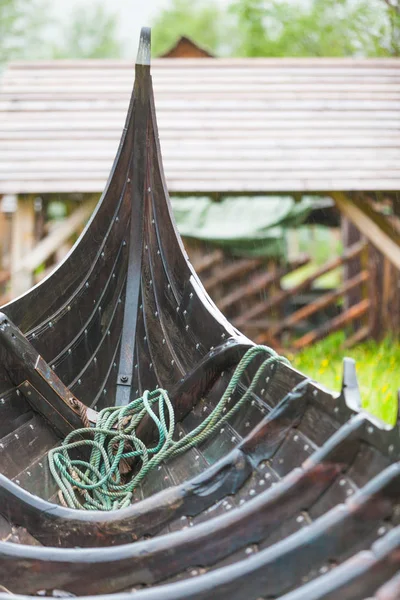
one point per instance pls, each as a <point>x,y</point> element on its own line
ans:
<point>297,496</point>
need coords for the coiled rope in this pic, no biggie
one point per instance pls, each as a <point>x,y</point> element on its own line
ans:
<point>101,483</point>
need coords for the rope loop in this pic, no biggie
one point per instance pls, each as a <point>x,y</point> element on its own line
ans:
<point>119,460</point>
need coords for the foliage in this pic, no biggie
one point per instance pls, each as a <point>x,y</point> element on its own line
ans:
<point>284,27</point>
<point>202,21</point>
<point>21,28</point>
<point>25,28</point>
<point>91,33</point>
<point>377,369</point>
<point>315,28</point>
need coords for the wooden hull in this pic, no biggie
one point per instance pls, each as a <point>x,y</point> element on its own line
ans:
<point>296,497</point>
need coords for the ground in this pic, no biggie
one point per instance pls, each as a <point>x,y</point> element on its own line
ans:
<point>377,369</point>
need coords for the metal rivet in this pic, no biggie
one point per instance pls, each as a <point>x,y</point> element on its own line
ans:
<point>87,284</point>
<point>79,381</point>
<point>68,307</point>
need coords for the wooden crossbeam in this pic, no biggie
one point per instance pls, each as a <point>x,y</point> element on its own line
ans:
<point>323,302</point>
<point>374,226</point>
<point>228,273</point>
<point>262,307</point>
<point>259,283</point>
<point>60,234</point>
<point>352,314</point>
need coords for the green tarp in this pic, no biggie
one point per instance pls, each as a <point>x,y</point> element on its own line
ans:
<point>246,226</point>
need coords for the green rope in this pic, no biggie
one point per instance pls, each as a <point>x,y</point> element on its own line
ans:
<point>100,483</point>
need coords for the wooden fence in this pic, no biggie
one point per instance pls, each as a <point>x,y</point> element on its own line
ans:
<point>253,292</point>
<point>261,306</point>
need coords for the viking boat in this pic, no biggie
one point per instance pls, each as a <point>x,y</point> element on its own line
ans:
<point>296,496</point>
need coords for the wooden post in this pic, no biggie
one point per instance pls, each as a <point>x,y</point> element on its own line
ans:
<point>350,235</point>
<point>3,238</point>
<point>22,242</point>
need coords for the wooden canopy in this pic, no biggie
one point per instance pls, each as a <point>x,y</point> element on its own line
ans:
<point>239,126</point>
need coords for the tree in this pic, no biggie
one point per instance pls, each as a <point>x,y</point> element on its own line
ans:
<point>91,33</point>
<point>393,7</point>
<point>28,30</point>
<point>203,22</point>
<point>21,28</point>
<point>316,28</point>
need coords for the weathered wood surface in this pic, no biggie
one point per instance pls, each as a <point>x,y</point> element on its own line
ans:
<point>339,115</point>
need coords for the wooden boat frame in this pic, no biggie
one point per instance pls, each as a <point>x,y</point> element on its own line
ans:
<point>127,303</point>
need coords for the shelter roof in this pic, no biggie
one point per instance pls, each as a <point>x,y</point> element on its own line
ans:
<point>237,126</point>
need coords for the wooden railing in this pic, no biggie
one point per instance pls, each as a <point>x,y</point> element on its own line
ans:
<point>252,293</point>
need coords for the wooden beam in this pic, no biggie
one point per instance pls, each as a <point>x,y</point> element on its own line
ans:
<point>353,313</point>
<point>260,283</point>
<point>322,302</point>
<point>22,242</point>
<point>60,234</point>
<point>276,300</point>
<point>373,225</point>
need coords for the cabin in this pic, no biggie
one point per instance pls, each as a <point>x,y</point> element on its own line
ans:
<point>186,48</point>
<point>269,130</point>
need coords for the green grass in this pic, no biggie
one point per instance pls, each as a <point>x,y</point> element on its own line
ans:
<point>378,370</point>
